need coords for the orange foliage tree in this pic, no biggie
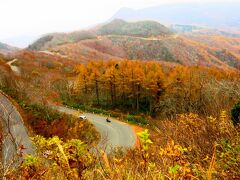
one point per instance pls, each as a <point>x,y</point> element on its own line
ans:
<point>146,86</point>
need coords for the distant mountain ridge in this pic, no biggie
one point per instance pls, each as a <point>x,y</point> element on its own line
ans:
<point>115,27</point>
<point>6,49</point>
<point>204,14</point>
<point>197,30</point>
<point>138,29</point>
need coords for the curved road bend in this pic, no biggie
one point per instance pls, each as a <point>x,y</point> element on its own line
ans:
<point>114,134</point>
<point>14,131</point>
<point>15,69</point>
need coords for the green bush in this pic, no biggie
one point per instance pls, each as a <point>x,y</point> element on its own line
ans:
<point>136,119</point>
<point>40,111</point>
<point>228,157</point>
<point>86,108</point>
<point>130,118</point>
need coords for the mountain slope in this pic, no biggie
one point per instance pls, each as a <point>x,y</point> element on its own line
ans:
<point>173,49</point>
<point>56,39</point>
<point>116,27</point>
<point>82,53</point>
<point>6,49</point>
<point>144,40</point>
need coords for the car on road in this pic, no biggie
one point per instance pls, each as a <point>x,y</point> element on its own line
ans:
<point>83,117</point>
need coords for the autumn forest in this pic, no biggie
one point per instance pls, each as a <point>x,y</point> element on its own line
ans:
<point>149,87</point>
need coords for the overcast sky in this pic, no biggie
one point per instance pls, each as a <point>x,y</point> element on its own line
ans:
<point>35,17</point>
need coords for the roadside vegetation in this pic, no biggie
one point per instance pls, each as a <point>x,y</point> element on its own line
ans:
<point>200,148</point>
<point>40,118</point>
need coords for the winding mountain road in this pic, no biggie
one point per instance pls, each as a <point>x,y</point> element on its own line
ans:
<point>114,134</point>
<point>175,36</point>
<point>15,69</point>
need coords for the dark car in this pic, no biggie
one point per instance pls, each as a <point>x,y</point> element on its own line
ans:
<point>108,120</point>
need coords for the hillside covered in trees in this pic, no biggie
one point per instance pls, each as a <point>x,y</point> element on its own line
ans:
<point>143,40</point>
<point>138,29</point>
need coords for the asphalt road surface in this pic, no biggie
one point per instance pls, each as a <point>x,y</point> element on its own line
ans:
<point>114,134</point>
<point>14,131</point>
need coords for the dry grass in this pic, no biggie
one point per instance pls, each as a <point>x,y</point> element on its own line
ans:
<point>189,147</point>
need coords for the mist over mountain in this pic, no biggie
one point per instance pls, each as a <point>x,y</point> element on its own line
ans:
<point>206,14</point>
<point>20,41</point>
<point>5,49</point>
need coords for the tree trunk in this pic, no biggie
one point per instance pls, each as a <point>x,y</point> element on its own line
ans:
<point>114,93</point>
<point>133,92</point>
<point>97,92</point>
<point>111,92</point>
<point>138,97</point>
